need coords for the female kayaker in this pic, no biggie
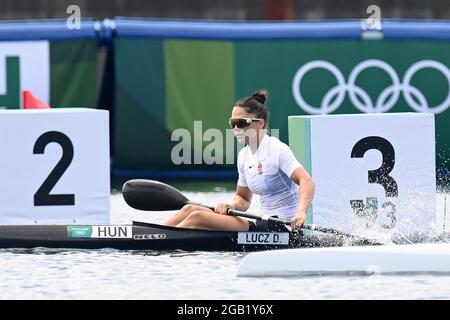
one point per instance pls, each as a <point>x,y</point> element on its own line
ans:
<point>267,167</point>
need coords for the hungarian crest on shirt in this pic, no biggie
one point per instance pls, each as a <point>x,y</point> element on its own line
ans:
<point>260,168</point>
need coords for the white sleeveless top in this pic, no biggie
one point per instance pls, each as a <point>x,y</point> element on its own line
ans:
<point>267,173</point>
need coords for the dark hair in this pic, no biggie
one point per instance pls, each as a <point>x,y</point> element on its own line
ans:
<point>256,104</point>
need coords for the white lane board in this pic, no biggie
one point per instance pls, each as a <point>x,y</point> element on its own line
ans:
<point>430,257</point>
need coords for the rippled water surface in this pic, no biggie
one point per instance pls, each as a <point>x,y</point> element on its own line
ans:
<point>110,274</point>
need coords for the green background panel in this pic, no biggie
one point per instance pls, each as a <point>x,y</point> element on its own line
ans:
<point>140,72</point>
<point>162,85</point>
<point>300,139</point>
<point>142,140</point>
<point>11,99</point>
<point>73,73</point>
<point>199,83</point>
<point>300,144</point>
<point>199,86</point>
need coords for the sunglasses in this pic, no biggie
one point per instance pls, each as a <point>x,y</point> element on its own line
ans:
<point>241,122</point>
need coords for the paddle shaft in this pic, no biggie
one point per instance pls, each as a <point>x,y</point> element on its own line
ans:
<point>313,227</point>
<point>201,205</point>
<point>233,212</point>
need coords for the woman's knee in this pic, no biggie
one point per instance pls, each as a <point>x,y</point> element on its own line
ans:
<point>190,208</point>
<point>187,207</point>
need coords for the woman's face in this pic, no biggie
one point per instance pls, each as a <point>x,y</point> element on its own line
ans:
<point>244,134</point>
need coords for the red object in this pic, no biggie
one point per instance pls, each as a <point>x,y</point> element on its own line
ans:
<point>278,9</point>
<point>31,102</point>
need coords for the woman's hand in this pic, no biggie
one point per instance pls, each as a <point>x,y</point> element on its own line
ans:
<point>298,220</point>
<point>222,208</point>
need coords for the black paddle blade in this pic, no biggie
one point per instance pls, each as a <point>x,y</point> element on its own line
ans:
<point>150,195</point>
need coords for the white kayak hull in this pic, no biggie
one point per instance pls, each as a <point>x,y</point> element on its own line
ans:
<point>430,257</point>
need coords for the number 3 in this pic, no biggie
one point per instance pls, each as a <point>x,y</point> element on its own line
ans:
<point>380,175</point>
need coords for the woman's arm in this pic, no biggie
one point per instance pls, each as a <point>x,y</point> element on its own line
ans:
<point>242,198</point>
<point>241,201</point>
<point>306,193</point>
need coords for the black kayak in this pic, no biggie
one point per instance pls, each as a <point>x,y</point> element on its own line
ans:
<point>146,236</point>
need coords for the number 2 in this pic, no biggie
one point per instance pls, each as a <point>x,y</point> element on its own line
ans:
<point>43,197</point>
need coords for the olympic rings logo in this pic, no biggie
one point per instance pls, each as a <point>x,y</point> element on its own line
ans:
<point>360,99</point>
